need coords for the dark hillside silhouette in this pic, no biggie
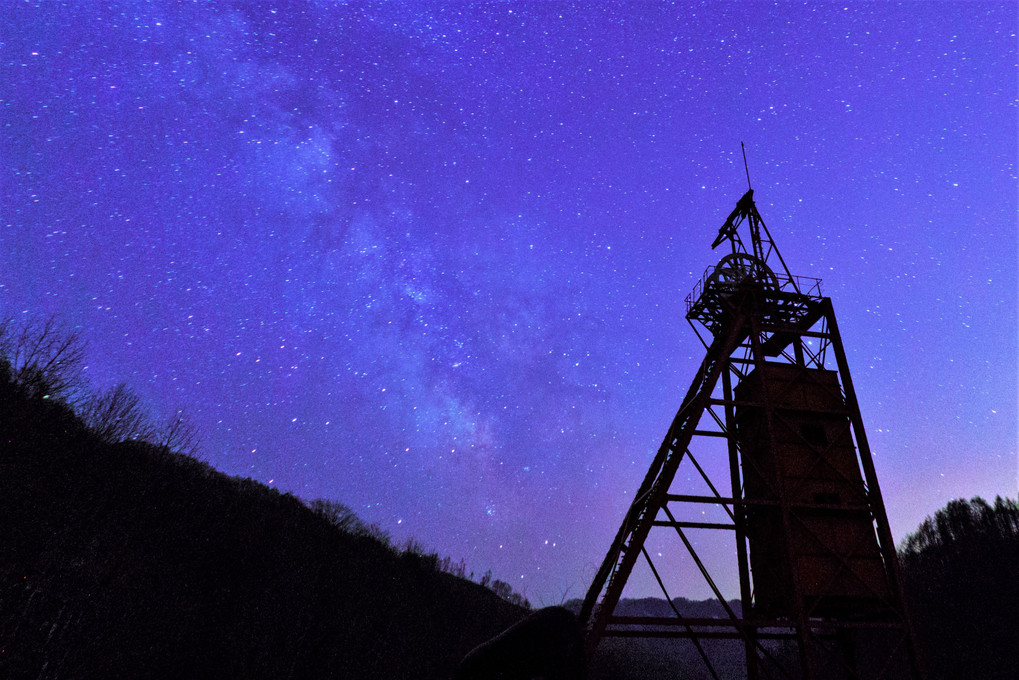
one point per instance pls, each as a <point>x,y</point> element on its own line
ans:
<point>123,559</point>
<point>961,576</point>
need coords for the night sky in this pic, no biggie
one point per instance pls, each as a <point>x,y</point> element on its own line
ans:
<point>430,259</point>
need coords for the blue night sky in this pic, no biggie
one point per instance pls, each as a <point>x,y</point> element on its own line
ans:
<point>429,259</point>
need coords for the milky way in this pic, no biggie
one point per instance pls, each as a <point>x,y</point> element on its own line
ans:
<point>429,259</point>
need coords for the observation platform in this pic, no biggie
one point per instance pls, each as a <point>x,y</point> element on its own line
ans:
<point>788,302</point>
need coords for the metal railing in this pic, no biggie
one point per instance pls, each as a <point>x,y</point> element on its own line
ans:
<point>808,286</point>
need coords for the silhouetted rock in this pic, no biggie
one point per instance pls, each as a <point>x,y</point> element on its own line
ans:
<point>546,644</point>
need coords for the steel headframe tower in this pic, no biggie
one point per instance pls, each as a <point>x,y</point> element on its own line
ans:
<point>819,585</point>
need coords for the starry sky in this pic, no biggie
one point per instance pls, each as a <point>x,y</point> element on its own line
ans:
<point>429,259</point>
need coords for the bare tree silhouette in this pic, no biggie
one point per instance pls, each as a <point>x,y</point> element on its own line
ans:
<point>116,415</point>
<point>178,435</point>
<point>43,360</point>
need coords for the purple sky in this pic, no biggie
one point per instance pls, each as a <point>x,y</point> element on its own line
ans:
<point>429,259</point>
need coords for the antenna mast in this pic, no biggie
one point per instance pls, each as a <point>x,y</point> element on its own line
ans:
<point>745,166</point>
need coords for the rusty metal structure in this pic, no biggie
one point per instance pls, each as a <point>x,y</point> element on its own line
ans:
<point>819,589</point>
